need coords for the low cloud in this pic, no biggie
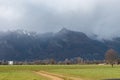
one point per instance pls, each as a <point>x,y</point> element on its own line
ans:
<point>100,17</point>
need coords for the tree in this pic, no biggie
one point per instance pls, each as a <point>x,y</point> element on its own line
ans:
<point>52,61</point>
<point>79,60</point>
<point>67,61</point>
<point>111,56</point>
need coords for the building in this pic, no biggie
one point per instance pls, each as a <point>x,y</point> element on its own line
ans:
<point>10,62</point>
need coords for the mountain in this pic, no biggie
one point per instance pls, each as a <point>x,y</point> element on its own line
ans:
<point>21,45</point>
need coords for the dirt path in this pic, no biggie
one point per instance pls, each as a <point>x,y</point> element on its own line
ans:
<point>53,76</point>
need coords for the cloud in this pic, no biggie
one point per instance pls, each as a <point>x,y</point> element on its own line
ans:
<point>62,6</point>
<point>100,17</point>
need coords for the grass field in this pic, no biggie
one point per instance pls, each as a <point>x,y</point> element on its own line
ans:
<point>20,75</point>
<point>86,72</point>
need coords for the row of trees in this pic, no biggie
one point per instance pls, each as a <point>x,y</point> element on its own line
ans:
<point>76,60</point>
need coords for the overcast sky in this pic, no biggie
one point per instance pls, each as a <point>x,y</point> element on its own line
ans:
<point>100,17</point>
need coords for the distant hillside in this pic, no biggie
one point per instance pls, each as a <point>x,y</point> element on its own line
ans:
<point>22,45</point>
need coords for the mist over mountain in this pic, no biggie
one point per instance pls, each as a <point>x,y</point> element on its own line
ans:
<point>99,17</point>
<point>22,45</point>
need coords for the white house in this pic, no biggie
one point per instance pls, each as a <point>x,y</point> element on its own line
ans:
<point>10,62</point>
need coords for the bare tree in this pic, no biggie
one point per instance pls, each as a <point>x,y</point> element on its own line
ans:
<point>52,61</point>
<point>67,61</point>
<point>79,60</point>
<point>111,56</point>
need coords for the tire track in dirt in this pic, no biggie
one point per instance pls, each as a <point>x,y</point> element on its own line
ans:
<point>53,76</point>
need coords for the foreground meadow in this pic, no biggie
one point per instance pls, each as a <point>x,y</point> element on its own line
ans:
<point>20,75</point>
<point>85,72</point>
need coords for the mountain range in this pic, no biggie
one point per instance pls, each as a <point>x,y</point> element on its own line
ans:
<point>21,45</point>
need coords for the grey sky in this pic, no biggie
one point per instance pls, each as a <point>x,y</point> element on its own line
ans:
<point>100,17</point>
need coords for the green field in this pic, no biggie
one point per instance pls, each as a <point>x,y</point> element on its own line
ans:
<point>86,72</point>
<point>20,75</point>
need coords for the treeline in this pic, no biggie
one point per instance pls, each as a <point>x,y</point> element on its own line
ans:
<point>76,60</point>
<point>111,57</point>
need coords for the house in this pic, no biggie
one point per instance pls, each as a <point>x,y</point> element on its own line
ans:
<point>10,62</point>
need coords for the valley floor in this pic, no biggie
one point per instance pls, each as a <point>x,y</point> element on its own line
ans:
<point>59,72</point>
